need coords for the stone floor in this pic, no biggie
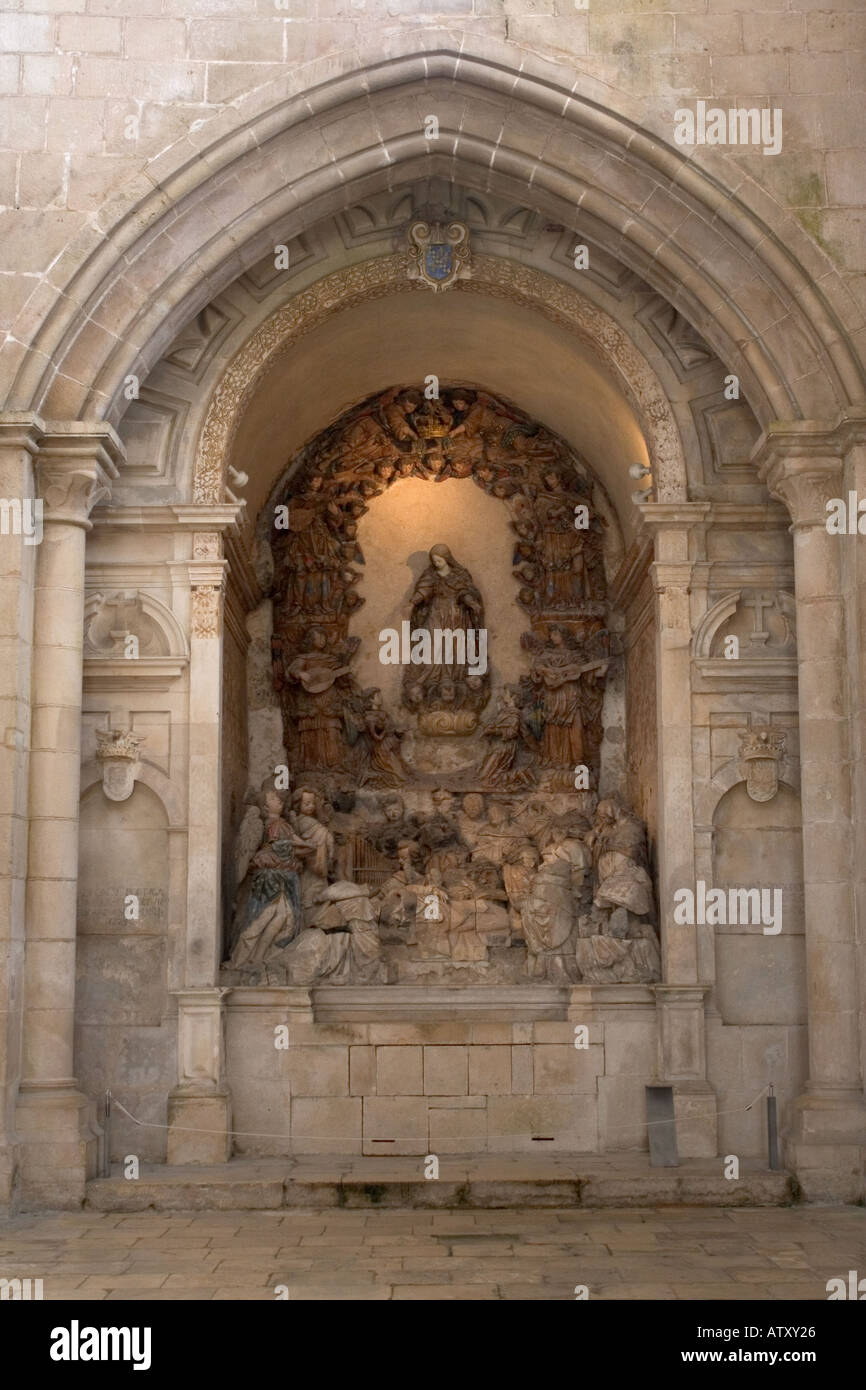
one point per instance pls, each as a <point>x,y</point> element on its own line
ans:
<point>672,1253</point>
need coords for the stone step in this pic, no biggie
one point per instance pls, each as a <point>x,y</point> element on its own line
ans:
<point>487,1181</point>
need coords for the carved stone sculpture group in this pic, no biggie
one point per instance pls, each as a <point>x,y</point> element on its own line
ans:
<point>551,720</point>
<point>379,867</point>
<point>362,890</point>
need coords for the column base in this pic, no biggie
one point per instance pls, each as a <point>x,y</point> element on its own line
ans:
<point>696,1111</point>
<point>827,1150</point>
<point>199,1127</point>
<point>59,1143</point>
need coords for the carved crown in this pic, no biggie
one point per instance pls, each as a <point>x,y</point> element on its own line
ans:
<point>429,427</point>
<point>763,742</point>
<point>117,743</point>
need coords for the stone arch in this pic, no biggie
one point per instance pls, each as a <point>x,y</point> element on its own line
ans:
<point>724,608</point>
<point>731,269</point>
<point>162,626</point>
<point>542,293</point>
<point>709,795</point>
<point>161,786</point>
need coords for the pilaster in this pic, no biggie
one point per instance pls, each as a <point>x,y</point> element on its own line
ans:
<point>676,528</point>
<point>20,436</point>
<point>75,467</point>
<point>199,1107</point>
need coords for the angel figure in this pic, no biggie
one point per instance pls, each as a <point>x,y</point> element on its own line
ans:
<point>383,738</point>
<point>557,674</point>
<point>314,557</point>
<point>562,545</point>
<point>397,409</point>
<point>271,916</point>
<point>505,737</point>
<point>320,701</point>
<point>365,442</point>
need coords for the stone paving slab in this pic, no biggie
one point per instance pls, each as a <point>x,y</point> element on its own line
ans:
<point>657,1254</point>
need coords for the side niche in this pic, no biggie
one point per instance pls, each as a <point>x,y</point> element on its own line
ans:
<point>131,640</point>
<point>445,826</point>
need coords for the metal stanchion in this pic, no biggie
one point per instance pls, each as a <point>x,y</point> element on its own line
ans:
<point>106,1137</point>
<point>773,1132</point>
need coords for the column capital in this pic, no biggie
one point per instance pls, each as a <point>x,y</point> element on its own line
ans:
<point>805,485</point>
<point>801,462</point>
<point>75,466</point>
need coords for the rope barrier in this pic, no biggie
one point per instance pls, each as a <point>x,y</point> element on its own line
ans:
<point>260,1134</point>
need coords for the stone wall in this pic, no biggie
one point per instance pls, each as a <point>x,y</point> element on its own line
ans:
<point>171,62</point>
<point>125,1035</point>
<point>92,89</point>
<point>440,1087</point>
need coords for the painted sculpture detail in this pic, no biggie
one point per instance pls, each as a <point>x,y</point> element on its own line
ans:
<point>458,836</point>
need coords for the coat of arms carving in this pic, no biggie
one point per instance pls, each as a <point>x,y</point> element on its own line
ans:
<point>117,753</point>
<point>761,750</point>
<point>438,252</point>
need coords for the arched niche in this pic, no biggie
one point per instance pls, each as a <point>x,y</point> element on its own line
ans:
<point>123,1040</point>
<point>347,547</point>
<point>465,470</point>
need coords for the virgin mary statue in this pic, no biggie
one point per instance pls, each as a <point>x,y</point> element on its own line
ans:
<point>447,605</point>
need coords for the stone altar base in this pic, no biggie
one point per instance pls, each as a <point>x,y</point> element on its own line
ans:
<point>475,1181</point>
<point>406,1071</point>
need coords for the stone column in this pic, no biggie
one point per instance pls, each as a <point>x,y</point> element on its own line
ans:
<point>199,1106</point>
<point>74,469</point>
<point>19,538</point>
<point>802,466</point>
<point>680,1001</point>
